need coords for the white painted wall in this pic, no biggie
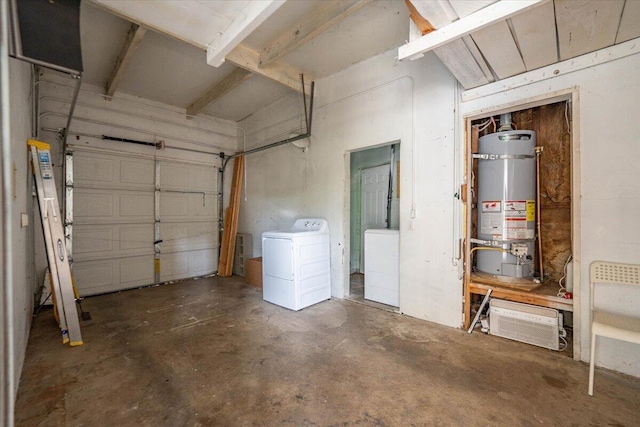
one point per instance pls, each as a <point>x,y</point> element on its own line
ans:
<point>609,179</point>
<point>375,102</point>
<point>20,107</point>
<point>381,100</point>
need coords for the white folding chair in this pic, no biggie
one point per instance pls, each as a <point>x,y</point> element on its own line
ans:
<point>606,323</point>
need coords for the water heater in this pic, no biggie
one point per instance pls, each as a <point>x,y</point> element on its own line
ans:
<point>506,202</point>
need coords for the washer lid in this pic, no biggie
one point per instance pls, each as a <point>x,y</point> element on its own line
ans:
<point>382,231</point>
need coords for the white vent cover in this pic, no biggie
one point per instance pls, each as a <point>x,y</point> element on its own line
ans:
<point>525,323</point>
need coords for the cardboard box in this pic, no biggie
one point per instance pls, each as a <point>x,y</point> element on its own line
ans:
<point>253,271</point>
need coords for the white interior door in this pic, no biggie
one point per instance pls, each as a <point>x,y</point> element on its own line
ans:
<point>375,190</point>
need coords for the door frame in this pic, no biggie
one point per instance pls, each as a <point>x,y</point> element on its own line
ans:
<point>346,251</point>
<point>571,95</point>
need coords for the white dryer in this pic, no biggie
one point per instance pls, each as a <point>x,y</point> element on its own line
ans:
<point>296,269</point>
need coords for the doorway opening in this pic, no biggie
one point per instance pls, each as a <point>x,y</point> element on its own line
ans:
<point>375,205</point>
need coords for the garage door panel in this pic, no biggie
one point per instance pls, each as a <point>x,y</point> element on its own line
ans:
<point>203,207</point>
<point>100,170</point>
<point>174,176</point>
<point>136,205</point>
<point>95,277</point>
<point>136,271</point>
<point>91,242</point>
<point>188,236</point>
<point>114,220</point>
<point>188,207</point>
<point>203,235</point>
<point>188,177</point>
<point>181,265</point>
<point>138,173</point>
<point>175,237</point>
<point>90,277</point>
<point>204,179</point>
<point>174,266</point>
<point>136,237</point>
<point>93,206</point>
<point>174,206</point>
<point>203,262</point>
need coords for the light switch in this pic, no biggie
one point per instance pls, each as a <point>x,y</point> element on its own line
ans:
<point>24,220</point>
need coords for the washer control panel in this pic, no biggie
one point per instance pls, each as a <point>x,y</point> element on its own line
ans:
<point>310,224</point>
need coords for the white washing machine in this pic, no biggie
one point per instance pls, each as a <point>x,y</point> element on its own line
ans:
<point>296,269</point>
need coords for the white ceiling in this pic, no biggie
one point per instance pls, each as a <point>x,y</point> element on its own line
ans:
<point>548,32</point>
<point>176,38</point>
<point>170,65</point>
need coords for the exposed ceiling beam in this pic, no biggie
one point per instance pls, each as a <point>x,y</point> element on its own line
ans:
<point>253,14</point>
<point>234,79</point>
<point>329,15</point>
<point>483,18</point>
<point>279,72</point>
<point>216,26</point>
<point>148,13</point>
<point>131,43</point>
<point>438,13</point>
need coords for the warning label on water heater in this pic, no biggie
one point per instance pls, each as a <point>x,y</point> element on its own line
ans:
<point>516,214</point>
<point>491,218</point>
<point>507,220</point>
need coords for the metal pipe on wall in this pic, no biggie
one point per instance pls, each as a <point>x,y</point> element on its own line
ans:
<point>538,212</point>
<point>307,134</point>
<point>8,344</point>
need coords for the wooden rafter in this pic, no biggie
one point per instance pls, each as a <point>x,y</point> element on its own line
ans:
<point>329,15</point>
<point>253,14</point>
<point>131,44</point>
<point>146,13</point>
<point>279,72</point>
<point>234,79</point>
<point>483,18</point>
<point>421,22</point>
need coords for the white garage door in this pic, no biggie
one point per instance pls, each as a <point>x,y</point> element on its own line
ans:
<point>115,208</point>
<point>188,227</point>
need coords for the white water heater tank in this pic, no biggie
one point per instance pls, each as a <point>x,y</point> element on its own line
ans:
<point>507,201</point>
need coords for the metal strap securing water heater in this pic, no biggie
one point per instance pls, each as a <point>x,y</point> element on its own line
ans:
<point>502,156</point>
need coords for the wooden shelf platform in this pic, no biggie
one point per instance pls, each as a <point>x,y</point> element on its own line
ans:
<point>544,295</point>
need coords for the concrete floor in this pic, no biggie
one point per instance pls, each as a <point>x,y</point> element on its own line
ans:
<point>212,352</point>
